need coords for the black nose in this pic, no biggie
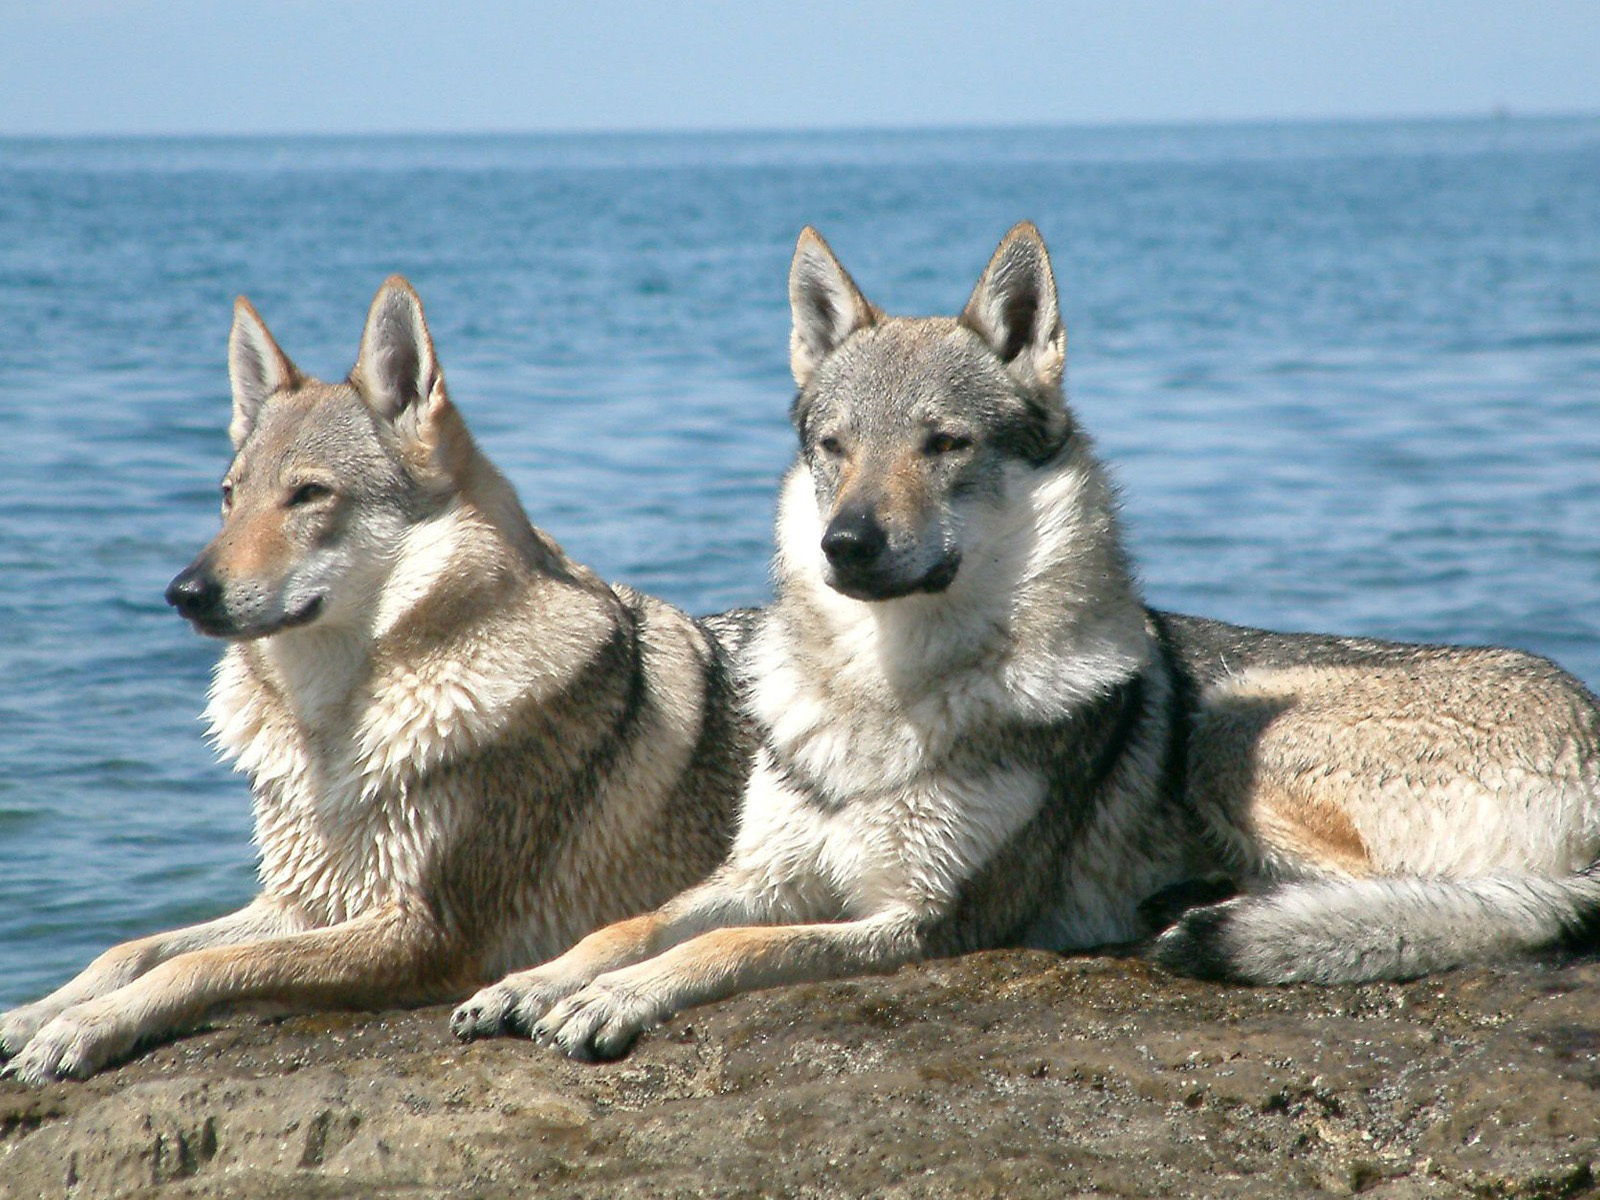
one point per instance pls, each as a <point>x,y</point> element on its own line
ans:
<point>853,539</point>
<point>194,593</point>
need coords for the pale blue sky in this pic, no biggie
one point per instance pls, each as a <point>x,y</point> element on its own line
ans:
<point>330,66</point>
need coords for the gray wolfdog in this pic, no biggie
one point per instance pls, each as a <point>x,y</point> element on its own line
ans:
<point>976,734</point>
<point>466,750</point>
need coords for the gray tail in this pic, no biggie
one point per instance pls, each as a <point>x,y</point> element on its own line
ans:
<point>1335,931</point>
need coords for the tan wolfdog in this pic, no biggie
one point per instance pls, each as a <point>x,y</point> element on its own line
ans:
<point>466,750</point>
<point>976,734</point>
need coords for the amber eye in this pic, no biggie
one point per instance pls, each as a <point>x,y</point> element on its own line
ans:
<point>947,443</point>
<point>831,446</point>
<point>309,493</point>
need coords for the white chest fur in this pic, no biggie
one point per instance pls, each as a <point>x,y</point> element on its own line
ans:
<point>907,847</point>
<point>341,827</point>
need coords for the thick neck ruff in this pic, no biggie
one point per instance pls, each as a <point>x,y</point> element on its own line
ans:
<point>340,728</point>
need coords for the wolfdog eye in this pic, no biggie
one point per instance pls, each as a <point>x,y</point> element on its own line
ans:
<point>947,443</point>
<point>227,495</point>
<point>831,446</point>
<point>308,492</point>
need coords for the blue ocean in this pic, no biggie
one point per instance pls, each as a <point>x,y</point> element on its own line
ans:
<point>1348,377</point>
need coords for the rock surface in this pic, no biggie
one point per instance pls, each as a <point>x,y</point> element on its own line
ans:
<point>1007,1074</point>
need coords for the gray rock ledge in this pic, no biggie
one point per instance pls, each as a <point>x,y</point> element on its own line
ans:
<point>1008,1074</point>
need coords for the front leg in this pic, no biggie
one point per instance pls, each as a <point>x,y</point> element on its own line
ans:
<point>602,1020</point>
<point>389,957</point>
<point>124,963</point>
<point>520,999</point>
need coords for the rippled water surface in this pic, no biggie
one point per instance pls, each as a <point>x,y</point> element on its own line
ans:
<point>1349,377</point>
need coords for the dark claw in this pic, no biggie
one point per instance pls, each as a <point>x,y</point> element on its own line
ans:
<point>593,1053</point>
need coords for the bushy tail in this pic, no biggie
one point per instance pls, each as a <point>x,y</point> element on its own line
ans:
<point>1335,931</point>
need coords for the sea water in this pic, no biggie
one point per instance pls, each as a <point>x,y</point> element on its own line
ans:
<point>1347,375</point>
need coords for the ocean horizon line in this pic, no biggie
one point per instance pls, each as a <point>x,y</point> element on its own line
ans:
<point>1135,125</point>
<point>969,145</point>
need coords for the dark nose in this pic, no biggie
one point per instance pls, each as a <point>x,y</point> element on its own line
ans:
<point>853,539</point>
<point>194,593</point>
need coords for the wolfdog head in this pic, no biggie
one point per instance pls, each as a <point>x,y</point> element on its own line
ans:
<point>326,478</point>
<point>908,426</point>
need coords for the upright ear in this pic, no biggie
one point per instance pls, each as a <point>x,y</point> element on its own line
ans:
<point>1014,308</point>
<point>827,305</point>
<point>396,369</point>
<point>256,367</point>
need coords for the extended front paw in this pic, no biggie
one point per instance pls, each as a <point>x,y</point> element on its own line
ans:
<point>1203,943</point>
<point>598,1023</point>
<point>510,1006</point>
<point>74,1045</point>
<point>18,1026</point>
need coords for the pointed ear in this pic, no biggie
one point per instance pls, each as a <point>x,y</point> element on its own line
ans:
<point>395,369</point>
<point>1014,308</point>
<point>256,367</point>
<point>827,305</point>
